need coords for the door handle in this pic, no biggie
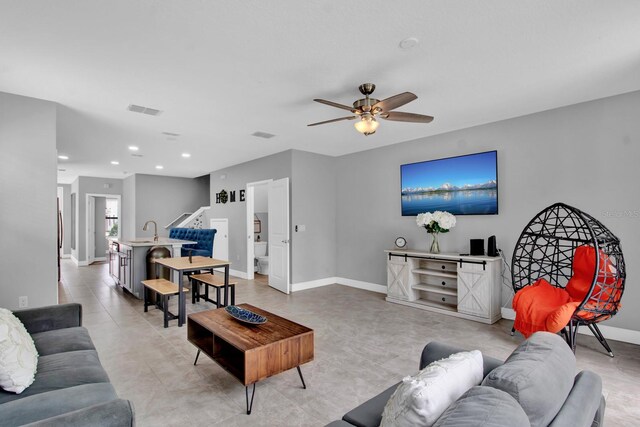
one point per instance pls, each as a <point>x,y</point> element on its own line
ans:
<point>285,241</point>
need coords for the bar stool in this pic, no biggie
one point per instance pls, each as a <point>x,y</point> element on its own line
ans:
<point>215,282</point>
<point>163,289</point>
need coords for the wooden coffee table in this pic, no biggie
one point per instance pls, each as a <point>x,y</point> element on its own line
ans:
<point>251,352</point>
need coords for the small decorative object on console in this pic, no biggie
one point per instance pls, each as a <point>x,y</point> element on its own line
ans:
<point>401,242</point>
<point>244,315</point>
<point>434,223</point>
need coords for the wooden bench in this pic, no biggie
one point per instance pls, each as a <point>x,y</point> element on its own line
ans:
<point>163,289</point>
<point>215,282</point>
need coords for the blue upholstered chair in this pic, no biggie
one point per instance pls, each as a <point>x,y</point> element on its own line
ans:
<point>204,237</point>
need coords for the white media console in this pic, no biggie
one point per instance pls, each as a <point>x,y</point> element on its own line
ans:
<point>457,285</point>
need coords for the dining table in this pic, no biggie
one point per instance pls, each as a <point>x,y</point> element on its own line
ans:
<point>185,264</point>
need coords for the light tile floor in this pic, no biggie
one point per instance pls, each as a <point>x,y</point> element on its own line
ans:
<point>362,346</point>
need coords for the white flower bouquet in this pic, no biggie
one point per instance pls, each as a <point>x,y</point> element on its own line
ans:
<point>436,222</point>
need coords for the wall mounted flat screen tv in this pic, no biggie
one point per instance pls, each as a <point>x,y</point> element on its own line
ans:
<point>463,185</point>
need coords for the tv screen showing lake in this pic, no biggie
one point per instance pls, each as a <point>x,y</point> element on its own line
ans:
<point>464,185</point>
<point>472,202</point>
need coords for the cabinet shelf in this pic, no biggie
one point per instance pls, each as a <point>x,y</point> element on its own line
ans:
<point>435,289</point>
<point>449,274</point>
<point>436,304</point>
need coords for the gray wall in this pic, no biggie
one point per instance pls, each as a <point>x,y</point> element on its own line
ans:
<point>585,155</point>
<point>28,214</point>
<point>99,229</point>
<point>128,208</point>
<point>88,185</point>
<point>66,218</point>
<point>276,166</point>
<point>163,198</point>
<point>313,204</point>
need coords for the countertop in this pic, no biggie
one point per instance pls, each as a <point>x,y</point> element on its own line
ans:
<point>148,241</point>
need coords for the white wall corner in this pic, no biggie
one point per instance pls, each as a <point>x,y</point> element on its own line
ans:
<point>374,287</point>
<point>313,284</point>
<point>609,332</point>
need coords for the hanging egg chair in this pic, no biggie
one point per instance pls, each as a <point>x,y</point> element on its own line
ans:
<point>573,260</point>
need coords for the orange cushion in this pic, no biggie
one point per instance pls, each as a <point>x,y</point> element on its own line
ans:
<point>539,303</point>
<point>584,266</point>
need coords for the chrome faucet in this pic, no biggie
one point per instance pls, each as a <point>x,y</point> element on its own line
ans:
<point>155,229</point>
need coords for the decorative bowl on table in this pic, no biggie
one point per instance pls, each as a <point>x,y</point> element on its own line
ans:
<point>244,315</point>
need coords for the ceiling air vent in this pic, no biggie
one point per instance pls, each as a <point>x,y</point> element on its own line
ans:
<point>137,155</point>
<point>264,135</point>
<point>171,134</point>
<point>144,110</point>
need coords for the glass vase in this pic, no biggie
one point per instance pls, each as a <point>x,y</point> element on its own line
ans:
<point>435,246</point>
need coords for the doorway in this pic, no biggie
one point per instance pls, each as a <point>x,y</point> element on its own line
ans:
<point>267,204</point>
<point>103,224</point>
<point>221,239</point>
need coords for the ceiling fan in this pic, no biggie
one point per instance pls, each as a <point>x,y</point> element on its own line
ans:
<point>368,109</point>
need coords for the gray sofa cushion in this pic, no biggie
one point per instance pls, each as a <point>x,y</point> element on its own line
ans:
<point>52,317</point>
<point>539,374</point>
<point>484,407</point>
<point>583,402</point>
<point>62,340</point>
<point>115,413</point>
<point>369,414</point>
<point>62,370</point>
<point>56,402</point>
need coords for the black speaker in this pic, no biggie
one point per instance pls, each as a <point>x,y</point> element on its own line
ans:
<point>476,247</point>
<point>492,249</point>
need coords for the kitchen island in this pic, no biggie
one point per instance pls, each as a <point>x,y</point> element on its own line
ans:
<point>128,264</point>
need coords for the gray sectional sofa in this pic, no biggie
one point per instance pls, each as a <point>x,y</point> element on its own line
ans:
<point>71,388</point>
<point>540,377</point>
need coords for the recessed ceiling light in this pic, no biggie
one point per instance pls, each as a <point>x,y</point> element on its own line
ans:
<point>133,148</point>
<point>186,155</point>
<point>159,167</point>
<point>63,157</point>
<point>408,43</point>
<point>115,162</point>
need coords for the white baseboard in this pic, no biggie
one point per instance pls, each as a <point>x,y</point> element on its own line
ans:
<point>100,258</point>
<point>65,256</point>
<point>374,287</point>
<point>508,313</point>
<point>609,332</point>
<point>313,284</point>
<point>238,273</point>
<point>78,263</point>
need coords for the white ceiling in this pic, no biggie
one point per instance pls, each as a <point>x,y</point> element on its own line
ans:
<point>220,71</point>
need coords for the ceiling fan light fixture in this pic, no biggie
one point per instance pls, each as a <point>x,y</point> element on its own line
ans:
<point>367,124</point>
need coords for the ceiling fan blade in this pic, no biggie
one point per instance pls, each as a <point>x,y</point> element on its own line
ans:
<point>397,116</point>
<point>335,104</point>
<point>395,101</point>
<point>333,120</point>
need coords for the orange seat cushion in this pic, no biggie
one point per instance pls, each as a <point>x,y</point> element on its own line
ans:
<point>542,307</point>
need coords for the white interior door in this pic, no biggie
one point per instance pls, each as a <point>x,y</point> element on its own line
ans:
<point>91,225</point>
<point>221,239</point>
<point>278,249</point>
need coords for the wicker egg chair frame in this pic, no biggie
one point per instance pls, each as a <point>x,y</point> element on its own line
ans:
<point>546,248</point>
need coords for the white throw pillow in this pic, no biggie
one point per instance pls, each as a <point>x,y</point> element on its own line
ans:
<point>18,355</point>
<point>419,400</point>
